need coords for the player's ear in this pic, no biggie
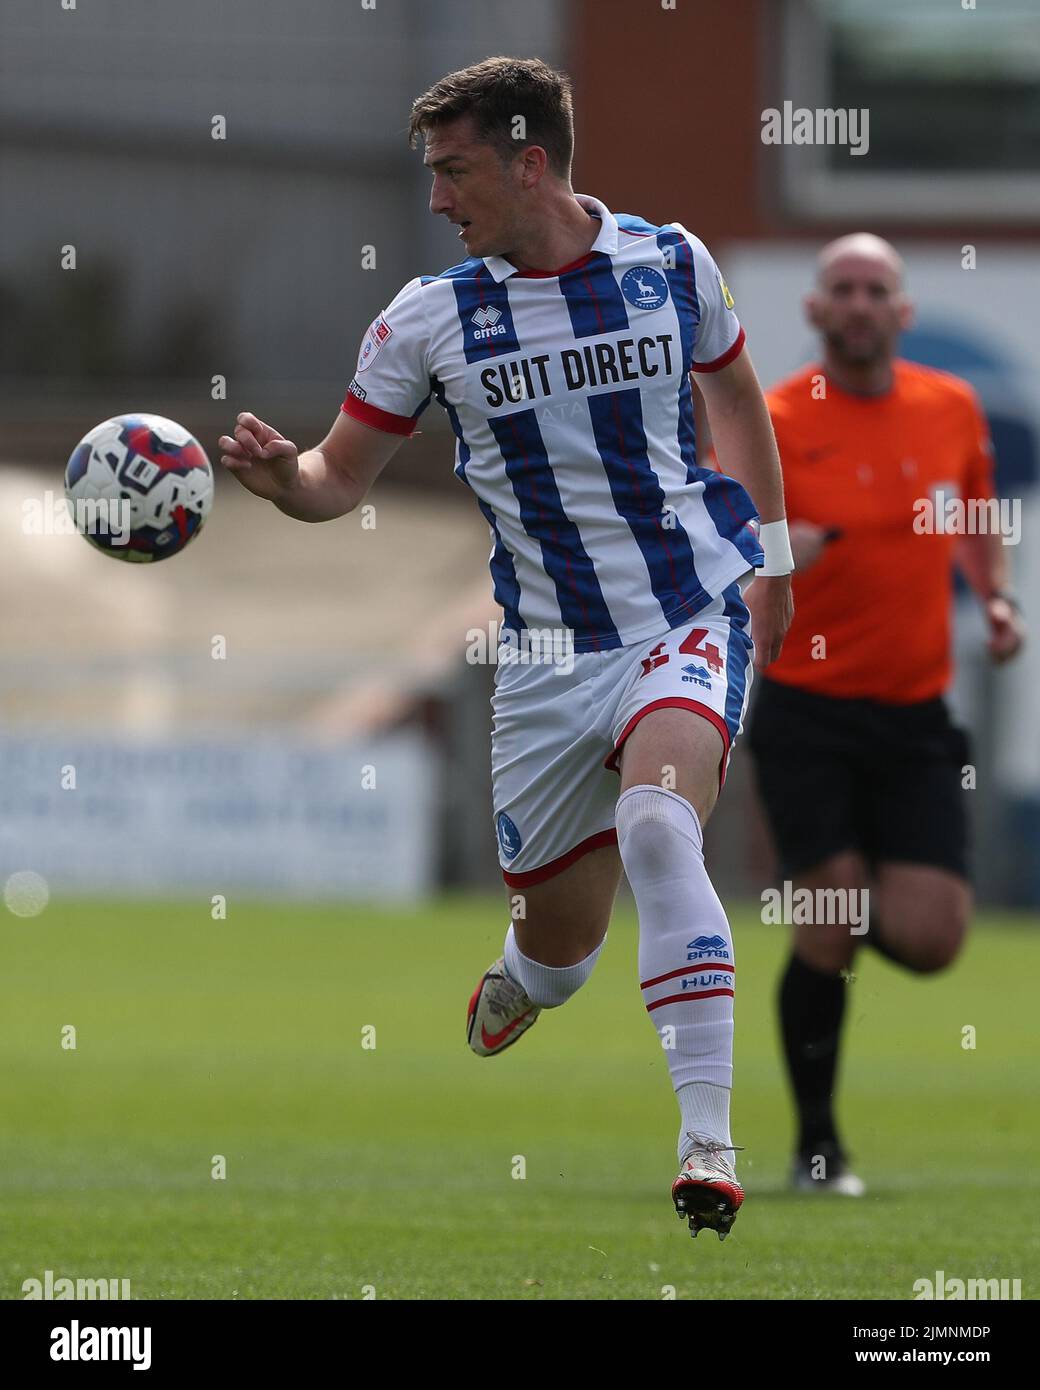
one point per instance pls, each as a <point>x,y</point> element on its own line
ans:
<point>811,305</point>
<point>906,313</point>
<point>533,164</point>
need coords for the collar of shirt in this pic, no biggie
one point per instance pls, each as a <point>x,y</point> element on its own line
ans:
<point>606,241</point>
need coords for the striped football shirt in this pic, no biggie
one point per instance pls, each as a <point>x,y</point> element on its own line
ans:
<point>569,395</point>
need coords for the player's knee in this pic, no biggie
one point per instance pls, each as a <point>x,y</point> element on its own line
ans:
<point>647,850</point>
<point>927,951</point>
<point>656,829</point>
<point>929,939</point>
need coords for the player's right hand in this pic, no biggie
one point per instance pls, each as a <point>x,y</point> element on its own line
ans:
<point>263,461</point>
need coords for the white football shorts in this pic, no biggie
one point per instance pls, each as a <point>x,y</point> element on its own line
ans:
<point>559,727</point>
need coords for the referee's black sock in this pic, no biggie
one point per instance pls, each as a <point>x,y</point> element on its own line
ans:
<point>812,1005</point>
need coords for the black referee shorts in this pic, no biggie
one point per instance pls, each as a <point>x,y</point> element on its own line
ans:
<point>839,774</point>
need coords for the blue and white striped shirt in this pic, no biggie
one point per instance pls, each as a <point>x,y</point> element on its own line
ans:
<point>570,398</point>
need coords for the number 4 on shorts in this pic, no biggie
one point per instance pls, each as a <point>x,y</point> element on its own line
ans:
<point>709,652</point>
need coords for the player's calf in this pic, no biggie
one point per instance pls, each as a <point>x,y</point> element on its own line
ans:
<point>686,969</point>
<point>549,954</point>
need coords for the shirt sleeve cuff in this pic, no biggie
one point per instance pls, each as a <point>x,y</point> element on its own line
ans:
<point>727,357</point>
<point>378,419</point>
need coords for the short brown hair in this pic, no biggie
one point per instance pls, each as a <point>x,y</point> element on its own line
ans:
<point>496,91</point>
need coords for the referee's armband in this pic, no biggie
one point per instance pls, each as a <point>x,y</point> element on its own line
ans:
<point>776,544</point>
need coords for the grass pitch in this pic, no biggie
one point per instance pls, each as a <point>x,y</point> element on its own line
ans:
<point>352,1169</point>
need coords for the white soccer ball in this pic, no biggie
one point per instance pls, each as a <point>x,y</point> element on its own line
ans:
<point>139,487</point>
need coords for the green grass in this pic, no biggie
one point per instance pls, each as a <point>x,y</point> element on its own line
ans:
<point>392,1167</point>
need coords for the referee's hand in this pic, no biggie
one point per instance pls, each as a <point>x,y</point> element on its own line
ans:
<point>772,608</point>
<point>1006,630</point>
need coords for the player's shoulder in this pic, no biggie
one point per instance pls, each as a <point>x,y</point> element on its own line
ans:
<point>419,287</point>
<point>918,383</point>
<point>408,298</point>
<point>635,228</point>
<point>472,268</point>
<point>422,300</point>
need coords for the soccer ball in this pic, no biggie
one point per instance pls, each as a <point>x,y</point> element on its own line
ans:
<point>139,487</point>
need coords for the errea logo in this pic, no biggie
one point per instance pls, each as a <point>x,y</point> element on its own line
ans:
<point>487,323</point>
<point>702,946</point>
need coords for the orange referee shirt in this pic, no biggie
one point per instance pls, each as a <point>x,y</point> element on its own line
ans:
<point>880,595</point>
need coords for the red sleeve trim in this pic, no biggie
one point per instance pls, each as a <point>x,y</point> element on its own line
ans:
<point>726,358</point>
<point>378,419</point>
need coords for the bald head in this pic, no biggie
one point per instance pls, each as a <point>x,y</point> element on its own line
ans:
<point>857,304</point>
<point>860,246</point>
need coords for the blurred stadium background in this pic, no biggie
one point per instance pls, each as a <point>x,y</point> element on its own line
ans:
<point>249,267</point>
<point>225,715</point>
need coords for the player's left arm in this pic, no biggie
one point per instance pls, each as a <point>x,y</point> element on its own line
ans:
<point>746,448</point>
<point>982,557</point>
<point>744,442</point>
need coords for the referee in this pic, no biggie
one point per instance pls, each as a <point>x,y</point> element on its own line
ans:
<point>858,763</point>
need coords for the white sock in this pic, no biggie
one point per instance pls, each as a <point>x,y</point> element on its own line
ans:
<point>705,1113</point>
<point>685,953</point>
<point>546,985</point>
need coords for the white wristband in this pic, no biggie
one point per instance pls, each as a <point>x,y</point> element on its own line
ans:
<point>777,546</point>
